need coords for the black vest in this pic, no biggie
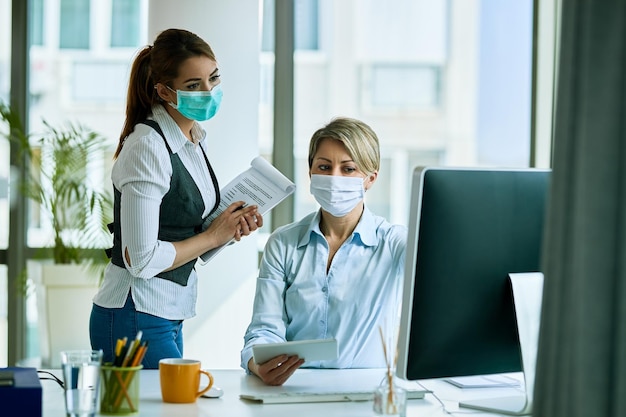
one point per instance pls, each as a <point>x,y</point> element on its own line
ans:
<point>180,215</point>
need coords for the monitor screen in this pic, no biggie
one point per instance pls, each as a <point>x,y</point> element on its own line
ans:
<point>468,229</point>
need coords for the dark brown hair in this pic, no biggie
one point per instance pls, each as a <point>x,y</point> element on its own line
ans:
<point>155,64</point>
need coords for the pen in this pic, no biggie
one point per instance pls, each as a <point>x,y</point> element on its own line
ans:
<point>132,348</point>
<point>240,207</point>
<point>141,352</point>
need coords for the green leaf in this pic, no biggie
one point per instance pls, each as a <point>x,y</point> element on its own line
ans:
<point>59,183</point>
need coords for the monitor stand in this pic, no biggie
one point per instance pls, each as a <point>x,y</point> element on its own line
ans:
<point>527,293</point>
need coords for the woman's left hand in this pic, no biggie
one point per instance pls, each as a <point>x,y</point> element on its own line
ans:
<point>233,223</point>
<point>249,221</point>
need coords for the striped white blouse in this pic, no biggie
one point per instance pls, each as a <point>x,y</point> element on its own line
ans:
<point>142,173</point>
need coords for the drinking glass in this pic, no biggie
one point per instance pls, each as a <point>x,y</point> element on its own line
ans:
<point>81,378</point>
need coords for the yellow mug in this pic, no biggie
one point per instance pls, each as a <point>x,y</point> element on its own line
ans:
<point>180,380</point>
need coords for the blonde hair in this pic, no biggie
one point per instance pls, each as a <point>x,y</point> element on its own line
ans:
<point>359,139</point>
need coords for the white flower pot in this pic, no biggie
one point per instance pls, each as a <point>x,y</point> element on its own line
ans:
<point>64,300</point>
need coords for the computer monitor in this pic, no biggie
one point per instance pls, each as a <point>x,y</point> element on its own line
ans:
<point>468,230</point>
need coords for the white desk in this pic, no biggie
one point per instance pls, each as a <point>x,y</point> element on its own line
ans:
<point>233,381</point>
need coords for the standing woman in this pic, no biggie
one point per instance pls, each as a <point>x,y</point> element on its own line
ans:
<point>164,190</point>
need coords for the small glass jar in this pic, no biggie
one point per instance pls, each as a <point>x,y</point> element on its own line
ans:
<point>390,400</point>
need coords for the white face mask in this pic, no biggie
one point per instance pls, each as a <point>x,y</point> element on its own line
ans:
<point>336,194</point>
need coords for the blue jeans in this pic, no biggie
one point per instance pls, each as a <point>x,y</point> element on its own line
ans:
<point>106,325</point>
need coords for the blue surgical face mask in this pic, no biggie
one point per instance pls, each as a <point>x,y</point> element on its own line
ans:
<point>336,194</point>
<point>198,105</point>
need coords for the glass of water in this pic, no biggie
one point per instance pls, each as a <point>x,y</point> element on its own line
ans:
<point>81,378</point>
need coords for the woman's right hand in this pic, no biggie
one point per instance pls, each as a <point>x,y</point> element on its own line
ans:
<point>277,370</point>
<point>234,222</point>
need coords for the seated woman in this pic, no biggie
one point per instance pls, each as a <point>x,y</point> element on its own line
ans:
<point>335,273</point>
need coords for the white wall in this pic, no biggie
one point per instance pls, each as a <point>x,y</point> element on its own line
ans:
<point>227,283</point>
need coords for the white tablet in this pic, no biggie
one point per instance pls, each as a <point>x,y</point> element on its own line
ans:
<point>309,350</point>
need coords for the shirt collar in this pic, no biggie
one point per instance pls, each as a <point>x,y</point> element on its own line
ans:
<point>365,229</point>
<point>173,135</point>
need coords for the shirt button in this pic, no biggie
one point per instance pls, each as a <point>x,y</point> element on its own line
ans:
<point>324,289</point>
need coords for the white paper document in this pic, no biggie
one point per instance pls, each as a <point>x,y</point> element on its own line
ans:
<point>261,184</point>
<point>484,381</point>
<point>323,385</point>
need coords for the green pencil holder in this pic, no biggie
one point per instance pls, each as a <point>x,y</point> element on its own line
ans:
<point>119,391</point>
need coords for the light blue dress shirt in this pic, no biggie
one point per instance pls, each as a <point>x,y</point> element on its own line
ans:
<point>297,300</point>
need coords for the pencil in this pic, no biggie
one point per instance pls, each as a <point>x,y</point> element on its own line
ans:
<point>131,350</point>
<point>119,356</point>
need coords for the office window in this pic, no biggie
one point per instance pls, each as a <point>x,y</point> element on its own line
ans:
<point>74,28</point>
<point>125,23</point>
<point>5,80</point>
<point>5,77</point>
<point>4,192</point>
<point>400,87</point>
<point>441,83</point>
<point>81,79</point>
<point>267,27</point>
<point>306,25</point>
<point>36,25</point>
<point>88,85</point>
<point>111,78</point>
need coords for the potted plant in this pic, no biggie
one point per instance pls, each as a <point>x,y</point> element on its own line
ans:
<point>61,184</point>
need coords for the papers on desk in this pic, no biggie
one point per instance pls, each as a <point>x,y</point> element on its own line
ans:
<point>484,381</point>
<point>308,397</point>
<point>322,397</point>
<point>307,385</point>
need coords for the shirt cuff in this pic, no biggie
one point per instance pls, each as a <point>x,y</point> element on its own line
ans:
<point>162,258</point>
<point>246,355</point>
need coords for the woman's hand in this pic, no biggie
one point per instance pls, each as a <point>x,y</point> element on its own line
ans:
<point>249,221</point>
<point>277,370</point>
<point>235,222</point>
